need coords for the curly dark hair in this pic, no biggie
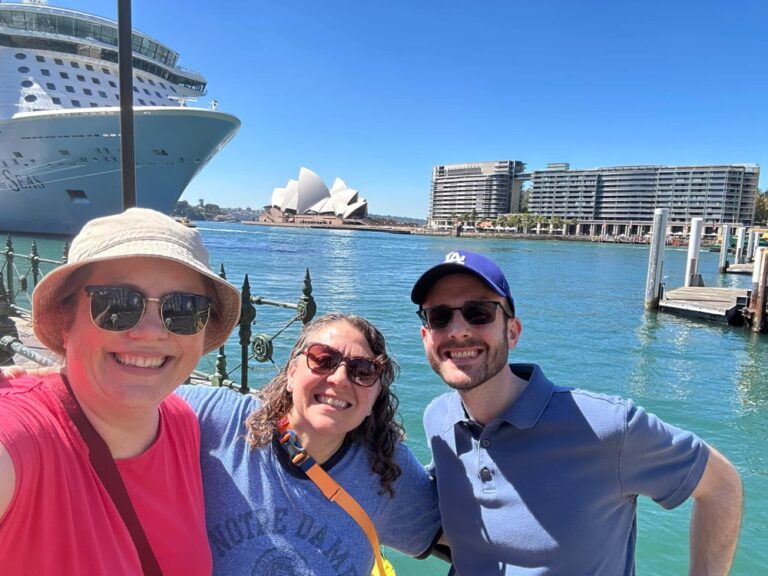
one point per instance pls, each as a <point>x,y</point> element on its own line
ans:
<point>380,431</point>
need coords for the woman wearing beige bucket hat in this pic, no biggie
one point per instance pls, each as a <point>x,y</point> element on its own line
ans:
<point>99,463</point>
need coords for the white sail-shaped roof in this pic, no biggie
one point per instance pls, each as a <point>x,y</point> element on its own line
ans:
<point>309,195</point>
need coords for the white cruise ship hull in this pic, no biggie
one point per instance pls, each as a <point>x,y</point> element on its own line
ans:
<point>59,169</point>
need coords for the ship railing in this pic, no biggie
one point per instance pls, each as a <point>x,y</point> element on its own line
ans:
<point>254,348</point>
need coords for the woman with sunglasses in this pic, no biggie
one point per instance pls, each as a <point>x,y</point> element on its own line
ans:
<point>331,404</point>
<point>99,462</point>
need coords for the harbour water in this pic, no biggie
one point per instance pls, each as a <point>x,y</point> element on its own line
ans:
<point>581,306</point>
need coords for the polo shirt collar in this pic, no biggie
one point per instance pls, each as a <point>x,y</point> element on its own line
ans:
<point>524,412</point>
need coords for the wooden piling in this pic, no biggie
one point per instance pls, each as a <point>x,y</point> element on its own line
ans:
<point>692,277</point>
<point>759,281</point>
<point>656,259</point>
<point>749,256</point>
<point>725,245</point>
<point>740,245</point>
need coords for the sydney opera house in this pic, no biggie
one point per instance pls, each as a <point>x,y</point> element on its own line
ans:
<point>309,201</point>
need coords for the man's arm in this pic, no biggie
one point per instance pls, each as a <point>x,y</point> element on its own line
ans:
<point>7,480</point>
<point>716,519</point>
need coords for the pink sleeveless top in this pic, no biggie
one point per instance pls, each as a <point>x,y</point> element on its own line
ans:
<point>62,521</point>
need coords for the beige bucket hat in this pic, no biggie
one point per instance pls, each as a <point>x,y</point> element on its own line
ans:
<point>137,232</point>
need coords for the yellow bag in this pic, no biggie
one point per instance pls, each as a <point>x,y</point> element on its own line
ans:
<point>389,570</point>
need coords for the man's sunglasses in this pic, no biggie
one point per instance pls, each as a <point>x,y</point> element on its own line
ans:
<point>476,312</point>
<point>324,359</point>
<point>119,309</point>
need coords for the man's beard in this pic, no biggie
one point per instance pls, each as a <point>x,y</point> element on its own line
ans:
<point>472,376</point>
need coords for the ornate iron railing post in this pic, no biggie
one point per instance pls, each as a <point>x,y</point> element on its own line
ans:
<point>9,268</point>
<point>306,308</point>
<point>34,257</point>
<point>247,316</point>
<point>221,357</point>
<point>7,326</point>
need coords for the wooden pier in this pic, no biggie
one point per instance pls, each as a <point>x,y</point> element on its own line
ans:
<point>719,305</point>
<point>728,306</point>
<point>740,268</point>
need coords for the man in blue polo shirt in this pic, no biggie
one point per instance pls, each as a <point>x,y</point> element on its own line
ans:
<point>536,478</point>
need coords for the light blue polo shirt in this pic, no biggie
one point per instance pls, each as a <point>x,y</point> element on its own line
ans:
<point>550,486</point>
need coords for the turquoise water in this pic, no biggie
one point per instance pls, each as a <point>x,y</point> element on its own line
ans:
<point>581,305</point>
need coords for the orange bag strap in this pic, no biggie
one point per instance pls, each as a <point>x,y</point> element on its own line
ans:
<point>331,490</point>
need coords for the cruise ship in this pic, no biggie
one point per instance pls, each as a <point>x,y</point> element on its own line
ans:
<point>60,120</point>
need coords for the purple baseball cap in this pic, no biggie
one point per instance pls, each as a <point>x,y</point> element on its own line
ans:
<point>464,262</point>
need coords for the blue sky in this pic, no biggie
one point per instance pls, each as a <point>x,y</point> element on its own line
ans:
<point>377,93</point>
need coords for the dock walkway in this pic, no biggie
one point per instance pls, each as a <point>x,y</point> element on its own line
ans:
<point>721,305</point>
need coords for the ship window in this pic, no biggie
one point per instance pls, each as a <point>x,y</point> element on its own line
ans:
<point>102,94</point>
<point>56,100</point>
<point>64,75</point>
<point>18,154</point>
<point>69,89</point>
<point>173,89</point>
<point>20,56</point>
<point>76,103</point>
<point>159,151</point>
<point>26,83</point>
<point>106,71</point>
<point>95,80</point>
<point>77,196</point>
<point>140,79</point>
<point>81,77</point>
<point>153,103</point>
<point>142,102</point>
<point>30,97</point>
<point>45,72</point>
<point>117,97</point>
<point>87,92</point>
<point>150,82</point>
<point>50,85</point>
<point>147,92</point>
<point>158,94</point>
<point>40,58</point>
<point>74,65</point>
<point>135,89</point>
<point>89,67</point>
<point>162,85</point>
<point>23,69</point>
<point>94,105</point>
<point>59,61</point>
<point>111,83</point>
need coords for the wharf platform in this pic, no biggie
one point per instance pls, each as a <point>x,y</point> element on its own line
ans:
<point>720,305</point>
<point>740,268</point>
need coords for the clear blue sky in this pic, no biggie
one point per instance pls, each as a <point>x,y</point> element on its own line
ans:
<point>379,92</point>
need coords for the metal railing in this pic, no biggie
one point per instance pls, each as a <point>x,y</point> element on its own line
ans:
<point>258,347</point>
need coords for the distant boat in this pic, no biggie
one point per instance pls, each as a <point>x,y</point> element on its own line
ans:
<point>60,121</point>
<point>186,221</point>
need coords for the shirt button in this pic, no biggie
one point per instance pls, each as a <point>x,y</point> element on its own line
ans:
<point>485,443</point>
<point>485,474</point>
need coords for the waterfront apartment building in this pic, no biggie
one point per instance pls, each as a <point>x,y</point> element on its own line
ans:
<point>624,197</point>
<point>479,189</point>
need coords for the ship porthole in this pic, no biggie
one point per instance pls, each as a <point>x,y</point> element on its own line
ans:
<point>20,56</point>
<point>26,83</point>
<point>30,97</point>
<point>23,69</point>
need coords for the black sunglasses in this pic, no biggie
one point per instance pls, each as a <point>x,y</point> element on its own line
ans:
<point>119,309</point>
<point>475,312</point>
<point>324,359</point>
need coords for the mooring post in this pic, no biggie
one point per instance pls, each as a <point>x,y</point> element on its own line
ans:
<point>725,245</point>
<point>739,259</point>
<point>692,277</point>
<point>9,268</point>
<point>759,281</point>
<point>750,246</point>
<point>656,258</point>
